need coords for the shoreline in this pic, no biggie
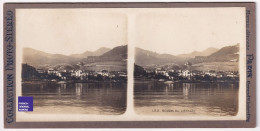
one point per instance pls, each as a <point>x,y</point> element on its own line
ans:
<point>71,81</point>
<point>183,81</point>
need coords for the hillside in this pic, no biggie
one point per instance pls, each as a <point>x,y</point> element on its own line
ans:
<point>228,53</point>
<point>98,52</point>
<point>118,53</point>
<point>206,52</point>
<point>38,58</point>
<point>217,66</point>
<point>145,58</point>
<point>225,59</point>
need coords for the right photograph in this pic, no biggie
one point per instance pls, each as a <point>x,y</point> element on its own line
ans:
<point>187,62</point>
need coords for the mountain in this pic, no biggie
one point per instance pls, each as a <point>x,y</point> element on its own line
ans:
<point>228,53</point>
<point>206,52</point>
<point>225,59</point>
<point>225,54</point>
<point>113,60</point>
<point>145,58</point>
<point>101,51</point>
<point>98,52</point>
<point>118,53</point>
<point>209,56</point>
<point>36,57</point>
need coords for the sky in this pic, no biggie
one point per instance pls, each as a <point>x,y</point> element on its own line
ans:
<point>70,31</point>
<point>163,30</point>
<point>184,30</point>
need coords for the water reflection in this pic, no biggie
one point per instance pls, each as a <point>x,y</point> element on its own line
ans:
<point>206,98</point>
<point>78,90</point>
<point>186,90</point>
<point>82,98</point>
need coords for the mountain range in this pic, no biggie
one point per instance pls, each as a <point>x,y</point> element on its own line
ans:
<point>36,57</point>
<point>118,53</point>
<point>98,52</point>
<point>142,57</point>
<point>145,58</point>
<point>225,54</point>
<point>206,52</point>
<point>228,53</point>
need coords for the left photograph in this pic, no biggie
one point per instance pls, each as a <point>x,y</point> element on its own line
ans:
<point>73,61</point>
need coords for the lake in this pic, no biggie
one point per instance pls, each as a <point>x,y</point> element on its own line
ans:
<point>103,98</point>
<point>209,99</point>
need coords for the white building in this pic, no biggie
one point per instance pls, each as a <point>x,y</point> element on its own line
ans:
<point>165,73</point>
<point>78,73</point>
<point>186,73</point>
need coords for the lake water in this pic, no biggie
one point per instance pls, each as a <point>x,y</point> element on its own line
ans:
<point>80,98</point>
<point>209,99</point>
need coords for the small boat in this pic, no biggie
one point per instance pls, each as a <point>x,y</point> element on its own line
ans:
<point>161,80</point>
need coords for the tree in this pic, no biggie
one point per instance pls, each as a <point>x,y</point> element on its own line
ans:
<point>139,71</point>
<point>29,72</point>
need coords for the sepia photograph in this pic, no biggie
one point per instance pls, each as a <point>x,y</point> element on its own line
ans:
<point>129,65</point>
<point>73,61</point>
<point>125,64</point>
<point>188,62</point>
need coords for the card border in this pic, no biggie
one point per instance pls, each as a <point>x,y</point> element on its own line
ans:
<point>9,69</point>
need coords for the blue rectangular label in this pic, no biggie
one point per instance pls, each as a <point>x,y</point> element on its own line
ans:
<point>25,103</point>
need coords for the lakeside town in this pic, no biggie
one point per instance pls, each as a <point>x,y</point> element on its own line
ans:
<point>30,73</point>
<point>186,74</point>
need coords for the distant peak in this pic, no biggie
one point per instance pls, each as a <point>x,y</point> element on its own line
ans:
<point>238,44</point>
<point>29,48</point>
<point>103,48</point>
<point>212,48</point>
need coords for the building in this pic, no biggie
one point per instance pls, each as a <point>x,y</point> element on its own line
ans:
<point>64,75</point>
<point>211,73</point>
<point>52,71</point>
<point>104,73</point>
<point>232,74</point>
<point>188,63</point>
<point>197,72</point>
<point>40,71</point>
<point>122,74</point>
<point>161,71</point>
<point>80,64</point>
<point>165,73</point>
<point>186,73</point>
<point>170,70</point>
<point>78,73</point>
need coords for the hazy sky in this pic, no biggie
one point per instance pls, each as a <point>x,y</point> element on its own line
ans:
<point>185,30</point>
<point>170,30</point>
<point>70,31</point>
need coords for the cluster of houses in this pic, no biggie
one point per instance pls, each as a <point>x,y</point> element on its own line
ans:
<point>191,73</point>
<point>64,74</point>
